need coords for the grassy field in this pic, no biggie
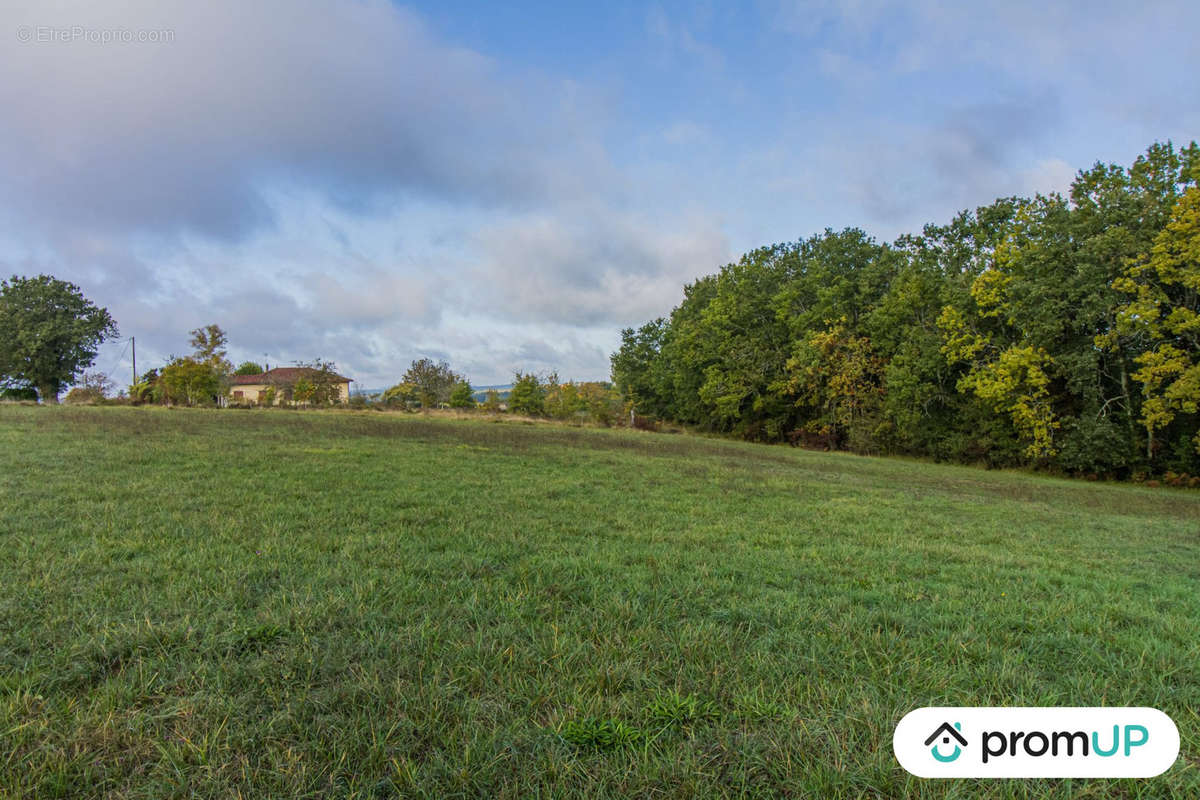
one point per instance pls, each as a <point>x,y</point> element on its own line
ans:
<point>275,604</point>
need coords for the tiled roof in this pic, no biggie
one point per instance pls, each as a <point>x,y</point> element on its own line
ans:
<point>280,375</point>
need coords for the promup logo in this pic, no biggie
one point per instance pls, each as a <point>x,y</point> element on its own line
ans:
<point>1036,742</point>
<point>946,732</point>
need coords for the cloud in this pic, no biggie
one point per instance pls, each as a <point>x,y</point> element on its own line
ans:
<point>686,134</point>
<point>914,174</point>
<point>1026,39</point>
<point>357,101</point>
<point>369,297</point>
<point>607,269</point>
<point>815,18</point>
<point>677,39</point>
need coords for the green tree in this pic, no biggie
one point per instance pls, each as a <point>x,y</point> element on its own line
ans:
<point>491,402</point>
<point>636,367</point>
<point>744,341</point>
<point>303,390</point>
<point>528,395</point>
<point>462,396</point>
<point>248,368</point>
<point>319,384</point>
<point>563,400</point>
<point>190,382</point>
<point>688,349</point>
<point>433,381</point>
<point>49,334</point>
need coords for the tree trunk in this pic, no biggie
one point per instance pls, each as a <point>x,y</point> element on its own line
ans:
<point>1128,400</point>
<point>49,393</point>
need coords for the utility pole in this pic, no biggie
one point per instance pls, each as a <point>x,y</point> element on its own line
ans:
<point>133,349</point>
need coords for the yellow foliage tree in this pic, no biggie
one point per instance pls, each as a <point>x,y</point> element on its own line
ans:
<point>1011,378</point>
<point>1164,311</point>
<point>837,376</point>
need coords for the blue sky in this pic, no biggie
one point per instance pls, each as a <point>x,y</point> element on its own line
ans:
<point>507,185</point>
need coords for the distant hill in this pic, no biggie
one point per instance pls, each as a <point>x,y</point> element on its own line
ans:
<point>503,389</point>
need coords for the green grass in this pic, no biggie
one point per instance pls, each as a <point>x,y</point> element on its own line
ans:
<point>275,604</point>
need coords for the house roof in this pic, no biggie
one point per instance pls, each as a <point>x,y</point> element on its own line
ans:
<point>280,375</point>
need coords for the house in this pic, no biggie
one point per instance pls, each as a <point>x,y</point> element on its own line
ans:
<point>278,384</point>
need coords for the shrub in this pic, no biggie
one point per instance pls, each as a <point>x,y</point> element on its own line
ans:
<point>602,401</point>
<point>402,395</point>
<point>92,388</point>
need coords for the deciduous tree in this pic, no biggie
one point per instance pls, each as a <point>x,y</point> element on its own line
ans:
<point>49,334</point>
<point>208,344</point>
<point>432,380</point>
<point>319,384</point>
<point>1163,312</point>
<point>190,382</point>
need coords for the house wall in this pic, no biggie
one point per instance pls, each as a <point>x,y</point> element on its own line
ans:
<point>251,392</point>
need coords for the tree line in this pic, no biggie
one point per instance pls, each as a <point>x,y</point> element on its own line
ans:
<point>50,335</point>
<point>433,384</point>
<point>1059,332</point>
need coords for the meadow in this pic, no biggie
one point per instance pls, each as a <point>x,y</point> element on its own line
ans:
<point>200,603</point>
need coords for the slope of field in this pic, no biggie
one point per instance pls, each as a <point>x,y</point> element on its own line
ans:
<point>276,604</point>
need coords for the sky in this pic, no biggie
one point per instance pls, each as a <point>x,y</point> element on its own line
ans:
<point>507,185</point>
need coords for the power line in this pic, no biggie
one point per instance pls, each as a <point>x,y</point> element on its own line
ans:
<point>120,358</point>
